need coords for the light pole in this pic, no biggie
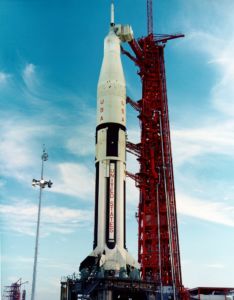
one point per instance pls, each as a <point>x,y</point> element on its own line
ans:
<point>42,184</point>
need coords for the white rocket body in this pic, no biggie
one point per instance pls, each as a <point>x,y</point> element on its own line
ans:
<point>109,237</point>
<point>110,200</point>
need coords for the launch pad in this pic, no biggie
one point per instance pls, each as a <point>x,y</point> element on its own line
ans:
<point>111,289</point>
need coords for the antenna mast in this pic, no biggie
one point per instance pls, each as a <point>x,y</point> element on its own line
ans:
<point>150,16</point>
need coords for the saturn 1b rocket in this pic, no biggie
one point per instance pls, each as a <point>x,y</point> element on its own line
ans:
<point>109,251</point>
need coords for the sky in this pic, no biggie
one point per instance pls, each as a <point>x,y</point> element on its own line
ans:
<point>50,58</point>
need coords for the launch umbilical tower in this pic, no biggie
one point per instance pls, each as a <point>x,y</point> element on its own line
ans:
<point>158,243</point>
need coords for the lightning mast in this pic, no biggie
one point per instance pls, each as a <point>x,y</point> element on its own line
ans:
<point>158,242</point>
<point>150,24</point>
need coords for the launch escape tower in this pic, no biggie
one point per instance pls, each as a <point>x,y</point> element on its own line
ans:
<point>158,243</point>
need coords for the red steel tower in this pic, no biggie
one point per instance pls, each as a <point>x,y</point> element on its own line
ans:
<point>13,292</point>
<point>158,244</point>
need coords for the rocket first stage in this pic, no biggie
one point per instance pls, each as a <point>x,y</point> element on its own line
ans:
<point>109,251</point>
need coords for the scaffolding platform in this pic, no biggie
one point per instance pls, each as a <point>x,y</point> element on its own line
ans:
<point>111,289</point>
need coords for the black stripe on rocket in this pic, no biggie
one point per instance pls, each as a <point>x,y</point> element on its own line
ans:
<point>96,207</point>
<point>124,187</point>
<point>112,139</point>
<point>112,143</point>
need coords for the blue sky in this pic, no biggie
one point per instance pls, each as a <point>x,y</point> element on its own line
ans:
<point>50,57</point>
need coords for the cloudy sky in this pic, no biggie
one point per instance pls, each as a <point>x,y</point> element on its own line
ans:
<point>50,57</point>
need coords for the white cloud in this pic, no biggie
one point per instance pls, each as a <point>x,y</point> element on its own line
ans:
<point>216,43</point>
<point>18,141</point>
<point>132,192</point>
<point>215,138</point>
<point>82,142</point>
<point>21,217</point>
<point>29,70</point>
<point>208,135</point>
<point>215,266</point>
<point>3,78</point>
<point>133,134</point>
<point>75,180</point>
<point>219,54</point>
<point>216,212</point>
<point>214,135</point>
<point>44,262</point>
<point>29,76</point>
<point>17,258</point>
<point>223,91</point>
<point>188,144</point>
<point>2,183</point>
